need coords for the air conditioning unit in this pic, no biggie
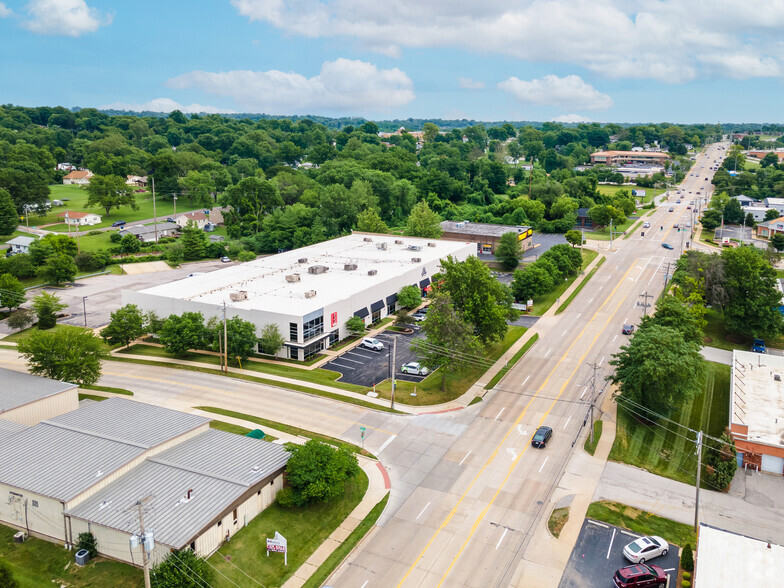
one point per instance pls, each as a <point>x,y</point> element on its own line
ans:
<point>416,260</point>
<point>459,225</point>
<point>302,260</point>
<point>382,246</point>
<point>317,269</point>
<point>82,557</point>
<point>372,272</point>
<point>238,296</point>
<point>293,278</point>
<point>367,240</point>
<point>310,294</point>
<point>415,248</point>
<point>349,266</point>
<point>398,241</point>
<point>431,244</point>
<point>20,537</point>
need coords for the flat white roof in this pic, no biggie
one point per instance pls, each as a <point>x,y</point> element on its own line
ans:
<point>757,396</point>
<point>265,280</point>
<point>727,560</point>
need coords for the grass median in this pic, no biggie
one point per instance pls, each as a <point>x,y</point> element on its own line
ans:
<point>642,522</point>
<point>580,286</point>
<point>515,358</point>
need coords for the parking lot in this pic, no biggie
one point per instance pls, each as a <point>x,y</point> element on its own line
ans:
<point>598,554</point>
<point>366,367</point>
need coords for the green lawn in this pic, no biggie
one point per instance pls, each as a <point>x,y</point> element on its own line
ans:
<point>21,335</point>
<point>237,430</point>
<point>603,234</point>
<point>610,190</point>
<point>717,336</point>
<point>589,447</point>
<point>579,287</point>
<point>644,523</point>
<point>36,563</point>
<point>661,448</point>
<point>543,302</point>
<point>457,382</point>
<point>305,530</point>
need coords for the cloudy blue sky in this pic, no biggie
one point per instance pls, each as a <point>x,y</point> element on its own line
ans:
<point>609,60</point>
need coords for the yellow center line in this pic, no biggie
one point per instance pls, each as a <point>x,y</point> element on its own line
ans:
<point>541,421</point>
<point>512,428</point>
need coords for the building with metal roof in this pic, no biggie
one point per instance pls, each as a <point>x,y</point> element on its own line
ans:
<point>487,236</point>
<point>29,399</point>
<point>309,293</point>
<point>9,428</point>
<point>726,560</point>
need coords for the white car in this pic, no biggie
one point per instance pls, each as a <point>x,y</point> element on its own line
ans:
<point>645,549</point>
<point>415,368</point>
<point>372,343</point>
<point>646,225</point>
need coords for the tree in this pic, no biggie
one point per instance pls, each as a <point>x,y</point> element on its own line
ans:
<point>409,296</point>
<point>59,268</point>
<point>771,214</point>
<point>531,282</point>
<point>670,312</point>
<point>769,159</point>
<point>46,307</point>
<point>573,237</point>
<point>20,319</point>
<point>316,472</point>
<point>130,244</point>
<point>733,213</point>
<point>152,323</point>
<point>179,334</point>
<point>711,219</point>
<point>368,221</point>
<point>719,460</point>
<point>356,325</point>
<point>250,199</point>
<point>110,192</point>
<point>7,579</point>
<point>270,341</point>
<point>777,241</point>
<point>11,292</point>
<point>194,241</point>
<point>749,221</point>
<point>241,337</point>
<point>448,340</point>
<point>658,369</point>
<point>429,132</point>
<point>478,297</point>
<point>753,299</point>
<point>126,325</point>
<point>87,541</point>
<point>600,215</point>
<point>423,222</point>
<point>88,261</point>
<point>71,354</point>
<point>509,252</point>
<point>687,558</point>
<point>9,219</point>
<point>181,569</point>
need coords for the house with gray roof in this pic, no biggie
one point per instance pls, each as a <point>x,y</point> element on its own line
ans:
<point>150,232</point>
<point>20,244</point>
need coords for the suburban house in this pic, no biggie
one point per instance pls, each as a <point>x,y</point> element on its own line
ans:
<point>746,201</point>
<point>625,157</point>
<point>81,177</point>
<point>149,232</point>
<point>767,229</point>
<point>140,181</point>
<point>583,219</point>
<point>199,218</point>
<point>65,166</point>
<point>80,219</point>
<point>20,244</point>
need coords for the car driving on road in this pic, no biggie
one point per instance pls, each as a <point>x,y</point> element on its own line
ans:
<point>372,343</point>
<point>542,436</point>
<point>627,329</point>
<point>667,246</point>
<point>645,549</point>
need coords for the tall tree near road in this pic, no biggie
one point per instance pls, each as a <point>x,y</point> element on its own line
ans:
<point>58,269</point>
<point>126,325</point>
<point>71,354</point>
<point>271,341</point>
<point>409,296</point>
<point>250,200</point>
<point>179,334</point>
<point>194,241</point>
<point>11,292</point>
<point>423,222</point>
<point>509,251</point>
<point>316,472</point>
<point>9,218</point>
<point>110,192</point>
<point>753,299</point>
<point>46,307</point>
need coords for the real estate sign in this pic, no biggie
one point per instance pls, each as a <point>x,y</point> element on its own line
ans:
<point>278,544</point>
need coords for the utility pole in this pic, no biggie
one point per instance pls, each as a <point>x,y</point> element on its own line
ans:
<point>645,297</point>
<point>530,177</point>
<point>699,471</point>
<point>154,213</point>
<point>84,308</point>
<point>611,233</point>
<point>594,367</point>
<point>394,381</point>
<point>144,540</point>
<point>225,339</point>
<point>666,277</point>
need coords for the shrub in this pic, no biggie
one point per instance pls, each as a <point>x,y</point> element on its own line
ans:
<point>687,558</point>
<point>685,584</point>
<point>87,541</point>
<point>115,237</point>
<point>686,576</point>
<point>246,256</point>
<point>7,579</point>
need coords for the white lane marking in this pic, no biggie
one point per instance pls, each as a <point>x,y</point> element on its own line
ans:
<point>526,379</point>
<point>598,524</point>
<point>521,430</point>
<point>591,300</point>
<point>614,338</point>
<point>365,584</point>
<point>583,394</point>
<point>548,352</point>
<point>567,422</point>
<point>544,462</point>
<point>465,457</point>
<point>502,537</point>
<point>340,365</point>
<point>564,333</point>
<point>499,413</point>
<point>578,315</point>
<point>422,511</point>
<point>385,443</point>
<point>602,361</point>
<point>611,542</point>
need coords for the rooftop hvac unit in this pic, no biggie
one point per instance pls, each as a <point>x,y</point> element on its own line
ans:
<point>431,244</point>
<point>317,269</point>
<point>302,260</point>
<point>349,266</point>
<point>238,296</point>
<point>416,260</point>
<point>398,241</point>
<point>292,278</point>
<point>415,248</point>
<point>382,246</point>
<point>310,294</point>
<point>459,225</point>
<point>19,537</point>
<point>368,239</point>
<point>372,272</point>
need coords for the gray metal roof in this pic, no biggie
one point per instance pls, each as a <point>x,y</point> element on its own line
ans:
<point>60,463</point>
<point>9,428</point>
<point>216,466</point>
<point>145,229</point>
<point>129,421</point>
<point>19,388</point>
<point>481,229</point>
<point>226,455</point>
<point>21,240</point>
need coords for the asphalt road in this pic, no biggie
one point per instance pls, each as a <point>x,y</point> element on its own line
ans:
<point>598,553</point>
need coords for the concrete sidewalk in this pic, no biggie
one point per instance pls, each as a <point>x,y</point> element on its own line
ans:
<point>717,355</point>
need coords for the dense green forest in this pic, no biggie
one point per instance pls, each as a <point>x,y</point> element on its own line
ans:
<point>290,183</point>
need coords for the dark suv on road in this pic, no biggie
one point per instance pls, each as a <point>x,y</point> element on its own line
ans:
<point>640,576</point>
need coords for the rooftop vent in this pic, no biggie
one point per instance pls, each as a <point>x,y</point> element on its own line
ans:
<point>104,504</point>
<point>256,469</point>
<point>381,245</point>
<point>398,241</point>
<point>415,248</point>
<point>416,260</point>
<point>302,260</point>
<point>368,240</point>
<point>349,266</point>
<point>310,294</point>
<point>777,377</point>
<point>238,296</point>
<point>459,225</point>
<point>431,244</point>
<point>293,278</point>
<point>317,269</point>
<point>372,272</point>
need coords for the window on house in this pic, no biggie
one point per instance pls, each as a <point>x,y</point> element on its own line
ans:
<point>220,523</point>
<point>293,332</point>
<point>35,503</point>
<point>193,546</point>
<point>313,328</point>
<point>235,516</point>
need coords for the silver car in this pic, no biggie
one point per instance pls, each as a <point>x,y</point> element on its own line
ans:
<point>372,343</point>
<point>415,368</point>
<point>645,549</point>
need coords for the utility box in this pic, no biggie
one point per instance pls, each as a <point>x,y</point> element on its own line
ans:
<point>19,537</point>
<point>82,557</point>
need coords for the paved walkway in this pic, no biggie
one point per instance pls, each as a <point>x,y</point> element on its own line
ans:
<point>717,355</point>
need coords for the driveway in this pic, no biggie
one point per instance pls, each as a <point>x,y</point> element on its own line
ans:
<point>598,553</point>
<point>542,242</point>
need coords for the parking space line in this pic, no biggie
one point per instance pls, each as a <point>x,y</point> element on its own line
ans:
<point>422,511</point>
<point>345,367</point>
<point>548,353</point>
<point>567,422</point>
<point>352,360</point>
<point>597,523</point>
<point>526,379</point>
<point>630,534</point>
<point>614,338</point>
<point>602,360</point>
<point>669,569</point>
<point>611,542</point>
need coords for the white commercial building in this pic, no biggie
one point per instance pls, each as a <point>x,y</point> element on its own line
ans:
<point>309,293</point>
<point>728,560</point>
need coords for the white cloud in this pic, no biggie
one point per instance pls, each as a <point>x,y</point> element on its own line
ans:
<point>342,85</point>
<point>566,92</point>
<point>5,11</point>
<point>662,39</point>
<point>571,118</point>
<point>470,84</point>
<point>72,18</point>
<point>164,105</point>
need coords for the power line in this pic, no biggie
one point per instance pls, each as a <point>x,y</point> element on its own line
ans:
<point>231,563</point>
